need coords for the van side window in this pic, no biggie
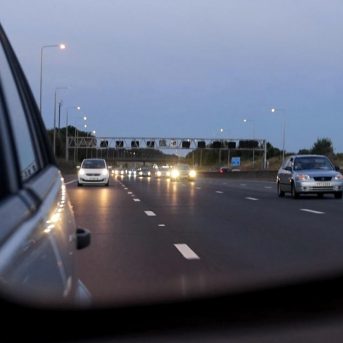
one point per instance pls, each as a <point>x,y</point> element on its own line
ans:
<point>27,159</point>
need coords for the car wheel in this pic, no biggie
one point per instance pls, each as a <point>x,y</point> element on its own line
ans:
<point>280,193</point>
<point>338,195</point>
<point>107,184</point>
<point>79,184</point>
<point>320,195</point>
<point>295,194</point>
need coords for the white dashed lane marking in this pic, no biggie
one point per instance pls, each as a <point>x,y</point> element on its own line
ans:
<point>219,192</point>
<point>67,183</point>
<point>150,213</point>
<point>268,187</point>
<point>186,252</point>
<point>161,225</point>
<point>136,200</point>
<point>311,211</point>
<point>250,198</point>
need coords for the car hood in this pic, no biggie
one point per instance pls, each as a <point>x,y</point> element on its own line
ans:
<point>94,171</point>
<point>317,173</point>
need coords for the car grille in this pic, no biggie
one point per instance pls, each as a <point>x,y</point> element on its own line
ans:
<point>322,189</point>
<point>93,174</point>
<point>322,178</point>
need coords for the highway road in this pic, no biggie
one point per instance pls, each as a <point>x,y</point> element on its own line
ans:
<point>154,238</point>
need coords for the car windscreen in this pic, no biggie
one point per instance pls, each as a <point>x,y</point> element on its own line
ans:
<point>310,163</point>
<point>93,164</point>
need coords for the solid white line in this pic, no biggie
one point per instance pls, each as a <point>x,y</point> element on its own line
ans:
<point>311,211</point>
<point>67,183</point>
<point>186,252</point>
<point>250,198</point>
<point>137,200</point>
<point>150,213</point>
<point>219,192</point>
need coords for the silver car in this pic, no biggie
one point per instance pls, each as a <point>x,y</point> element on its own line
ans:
<point>309,174</point>
<point>38,236</point>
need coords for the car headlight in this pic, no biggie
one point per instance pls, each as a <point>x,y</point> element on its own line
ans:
<point>104,172</point>
<point>303,177</point>
<point>82,172</point>
<point>158,173</point>
<point>175,173</point>
<point>192,173</point>
<point>168,173</point>
<point>339,177</point>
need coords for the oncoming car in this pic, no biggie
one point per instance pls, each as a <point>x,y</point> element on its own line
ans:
<point>93,171</point>
<point>182,171</point>
<point>309,174</point>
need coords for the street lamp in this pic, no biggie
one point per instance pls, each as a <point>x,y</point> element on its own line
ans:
<point>61,47</point>
<point>253,137</point>
<point>252,124</point>
<point>84,118</point>
<point>274,110</point>
<point>67,109</point>
<point>54,139</point>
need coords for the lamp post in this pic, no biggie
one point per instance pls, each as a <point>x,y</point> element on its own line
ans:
<point>60,46</point>
<point>274,110</point>
<point>54,139</point>
<point>253,137</point>
<point>76,136</point>
<point>66,144</point>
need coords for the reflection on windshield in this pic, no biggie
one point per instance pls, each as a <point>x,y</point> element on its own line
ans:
<point>307,163</point>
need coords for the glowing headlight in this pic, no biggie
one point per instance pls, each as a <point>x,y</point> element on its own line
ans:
<point>140,173</point>
<point>158,173</point>
<point>104,172</point>
<point>303,177</point>
<point>82,172</point>
<point>339,177</point>
<point>116,172</point>
<point>168,173</point>
<point>175,173</point>
<point>192,173</point>
<point>149,173</point>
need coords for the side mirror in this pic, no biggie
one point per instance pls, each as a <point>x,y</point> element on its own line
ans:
<point>288,169</point>
<point>83,238</point>
<point>337,168</point>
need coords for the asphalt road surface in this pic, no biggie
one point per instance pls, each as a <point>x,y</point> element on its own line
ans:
<point>158,239</point>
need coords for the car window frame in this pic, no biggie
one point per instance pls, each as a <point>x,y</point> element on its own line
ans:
<point>34,121</point>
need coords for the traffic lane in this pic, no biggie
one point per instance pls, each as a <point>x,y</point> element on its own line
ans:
<point>129,259</point>
<point>257,185</point>
<point>264,238</point>
<point>328,204</point>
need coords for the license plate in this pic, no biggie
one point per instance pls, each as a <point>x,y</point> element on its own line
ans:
<point>324,184</point>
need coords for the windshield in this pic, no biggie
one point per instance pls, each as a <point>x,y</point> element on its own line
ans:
<point>307,163</point>
<point>93,164</point>
<point>225,92</point>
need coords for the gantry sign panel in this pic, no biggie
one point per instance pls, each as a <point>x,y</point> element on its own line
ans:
<point>165,143</point>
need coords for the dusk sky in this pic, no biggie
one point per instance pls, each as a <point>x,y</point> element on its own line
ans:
<point>187,68</point>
